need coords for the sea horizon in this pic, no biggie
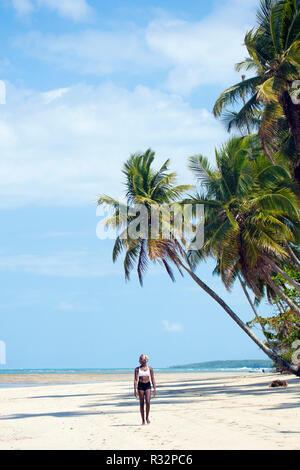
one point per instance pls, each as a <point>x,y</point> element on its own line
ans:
<point>125,370</point>
<point>90,373</point>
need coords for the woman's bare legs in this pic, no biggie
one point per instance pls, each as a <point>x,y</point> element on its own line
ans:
<point>141,395</point>
<point>147,397</point>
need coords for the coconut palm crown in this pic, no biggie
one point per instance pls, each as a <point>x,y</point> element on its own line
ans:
<point>274,57</point>
<point>251,213</point>
<point>152,188</point>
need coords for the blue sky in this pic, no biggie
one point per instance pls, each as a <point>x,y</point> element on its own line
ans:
<point>88,83</point>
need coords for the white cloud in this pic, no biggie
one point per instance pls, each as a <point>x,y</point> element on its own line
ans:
<point>69,149</point>
<point>66,146</point>
<point>77,10</point>
<point>63,305</point>
<point>188,53</point>
<point>53,94</point>
<point>171,327</point>
<point>22,7</point>
<point>205,51</point>
<point>64,264</point>
<point>74,9</point>
<point>94,51</point>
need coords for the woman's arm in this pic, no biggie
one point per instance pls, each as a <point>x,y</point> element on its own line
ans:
<point>135,382</point>
<point>153,381</point>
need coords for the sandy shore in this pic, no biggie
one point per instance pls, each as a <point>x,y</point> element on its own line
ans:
<point>191,411</point>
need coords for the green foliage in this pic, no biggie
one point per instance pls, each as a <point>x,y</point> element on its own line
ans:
<point>282,328</point>
<point>152,188</point>
<point>251,212</point>
<point>289,291</point>
<point>264,100</point>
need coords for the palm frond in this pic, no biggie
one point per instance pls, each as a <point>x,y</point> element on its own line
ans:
<point>233,94</point>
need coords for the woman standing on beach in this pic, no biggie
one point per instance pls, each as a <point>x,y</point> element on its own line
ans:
<point>142,385</point>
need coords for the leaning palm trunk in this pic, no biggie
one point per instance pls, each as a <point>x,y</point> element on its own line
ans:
<point>293,257</point>
<point>252,306</point>
<point>280,307</point>
<point>247,295</point>
<point>284,297</point>
<point>271,354</point>
<point>291,281</point>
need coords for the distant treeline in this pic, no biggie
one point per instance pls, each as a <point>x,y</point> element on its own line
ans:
<point>253,364</point>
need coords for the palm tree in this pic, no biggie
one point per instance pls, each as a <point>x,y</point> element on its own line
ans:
<point>274,55</point>
<point>251,214</point>
<point>153,188</point>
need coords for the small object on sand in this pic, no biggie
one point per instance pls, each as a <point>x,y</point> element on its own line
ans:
<point>278,383</point>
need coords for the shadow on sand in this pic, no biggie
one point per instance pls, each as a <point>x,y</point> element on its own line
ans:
<point>175,393</point>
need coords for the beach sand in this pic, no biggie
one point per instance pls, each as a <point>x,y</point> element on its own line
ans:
<point>191,411</point>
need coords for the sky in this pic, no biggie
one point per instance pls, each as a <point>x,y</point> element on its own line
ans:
<point>88,82</point>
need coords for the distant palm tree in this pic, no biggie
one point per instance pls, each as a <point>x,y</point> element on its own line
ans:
<point>274,55</point>
<point>153,188</point>
<point>251,216</point>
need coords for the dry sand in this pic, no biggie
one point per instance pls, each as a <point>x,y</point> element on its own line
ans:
<point>191,411</point>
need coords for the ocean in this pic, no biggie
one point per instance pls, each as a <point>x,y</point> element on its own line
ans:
<point>128,370</point>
